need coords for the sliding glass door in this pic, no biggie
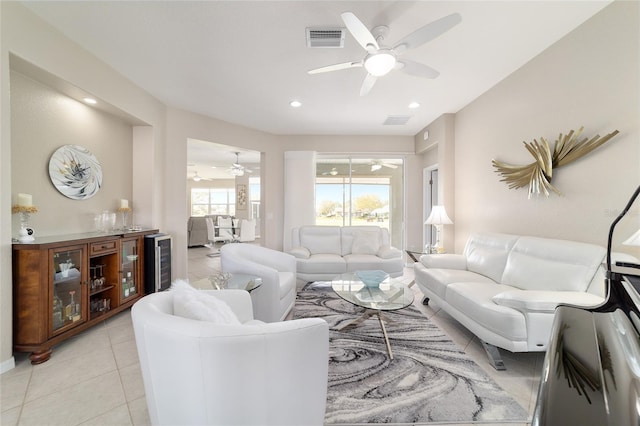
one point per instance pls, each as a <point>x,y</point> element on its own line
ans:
<point>360,191</point>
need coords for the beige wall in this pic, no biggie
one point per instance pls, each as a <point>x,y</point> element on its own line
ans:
<point>588,78</point>
<point>29,38</point>
<point>42,120</point>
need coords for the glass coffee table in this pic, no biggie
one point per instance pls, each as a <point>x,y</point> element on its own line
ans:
<point>237,281</point>
<point>391,295</point>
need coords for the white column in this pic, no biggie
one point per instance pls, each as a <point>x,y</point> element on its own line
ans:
<point>299,192</point>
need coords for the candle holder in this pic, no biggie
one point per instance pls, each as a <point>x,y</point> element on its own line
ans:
<point>124,211</point>
<point>26,232</point>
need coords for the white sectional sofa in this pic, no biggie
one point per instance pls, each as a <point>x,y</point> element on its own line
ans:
<point>505,288</point>
<point>322,252</point>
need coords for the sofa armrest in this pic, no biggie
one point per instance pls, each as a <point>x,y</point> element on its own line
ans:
<point>444,261</point>
<point>545,301</point>
<point>388,252</point>
<point>300,252</point>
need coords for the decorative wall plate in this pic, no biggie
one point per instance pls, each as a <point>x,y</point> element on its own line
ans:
<point>75,172</point>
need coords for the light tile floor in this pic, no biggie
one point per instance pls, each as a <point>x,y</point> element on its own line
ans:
<point>95,379</point>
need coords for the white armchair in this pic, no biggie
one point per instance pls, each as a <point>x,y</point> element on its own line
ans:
<point>203,373</point>
<point>274,299</point>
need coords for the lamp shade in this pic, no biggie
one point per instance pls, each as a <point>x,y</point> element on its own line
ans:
<point>438,216</point>
<point>633,240</point>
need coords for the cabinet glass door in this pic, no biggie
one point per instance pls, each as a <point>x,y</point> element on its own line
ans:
<point>67,299</point>
<point>130,269</point>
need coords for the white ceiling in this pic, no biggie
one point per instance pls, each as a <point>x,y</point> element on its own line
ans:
<point>243,61</point>
<point>213,161</point>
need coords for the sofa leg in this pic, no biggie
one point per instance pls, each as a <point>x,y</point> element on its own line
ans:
<point>425,301</point>
<point>494,356</point>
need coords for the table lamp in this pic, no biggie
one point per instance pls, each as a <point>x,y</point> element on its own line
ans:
<point>437,218</point>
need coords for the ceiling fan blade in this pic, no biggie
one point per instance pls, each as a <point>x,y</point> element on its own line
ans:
<point>336,67</point>
<point>417,69</point>
<point>359,31</point>
<point>389,165</point>
<point>367,84</point>
<point>428,32</point>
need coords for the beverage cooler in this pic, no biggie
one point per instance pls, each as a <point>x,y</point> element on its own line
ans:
<point>157,262</point>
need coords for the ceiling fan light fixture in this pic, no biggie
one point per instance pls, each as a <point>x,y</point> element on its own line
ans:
<point>380,63</point>
<point>237,172</point>
<point>375,167</point>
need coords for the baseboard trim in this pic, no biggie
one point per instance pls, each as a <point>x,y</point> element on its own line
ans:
<point>7,365</point>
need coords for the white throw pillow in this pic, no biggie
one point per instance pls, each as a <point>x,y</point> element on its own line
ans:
<point>366,242</point>
<point>189,302</point>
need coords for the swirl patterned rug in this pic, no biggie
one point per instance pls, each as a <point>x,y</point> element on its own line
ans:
<point>429,380</point>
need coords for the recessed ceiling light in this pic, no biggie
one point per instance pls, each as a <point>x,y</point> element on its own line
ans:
<point>295,104</point>
<point>414,105</point>
<point>90,101</point>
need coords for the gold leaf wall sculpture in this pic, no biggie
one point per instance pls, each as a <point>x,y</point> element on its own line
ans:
<point>537,175</point>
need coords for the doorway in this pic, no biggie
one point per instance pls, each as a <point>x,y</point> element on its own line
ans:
<point>430,185</point>
<point>216,176</point>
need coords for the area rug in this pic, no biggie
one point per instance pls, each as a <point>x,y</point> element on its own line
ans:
<point>430,379</point>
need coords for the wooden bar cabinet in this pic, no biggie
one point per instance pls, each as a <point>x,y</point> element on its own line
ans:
<point>63,285</point>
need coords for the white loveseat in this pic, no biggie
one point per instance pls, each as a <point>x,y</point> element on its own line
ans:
<point>505,288</point>
<point>322,252</point>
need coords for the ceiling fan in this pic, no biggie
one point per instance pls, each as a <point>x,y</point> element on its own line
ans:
<point>197,178</point>
<point>332,172</point>
<point>238,169</point>
<point>380,60</point>
<point>377,165</point>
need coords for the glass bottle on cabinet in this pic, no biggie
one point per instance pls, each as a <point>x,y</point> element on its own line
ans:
<point>67,297</point>
<point>130,268</point>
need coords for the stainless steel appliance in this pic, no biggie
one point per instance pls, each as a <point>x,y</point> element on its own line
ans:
<point>157,262</point>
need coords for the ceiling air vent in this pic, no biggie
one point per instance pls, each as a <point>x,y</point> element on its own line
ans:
<point>396,120</point>
<point>325,37</point>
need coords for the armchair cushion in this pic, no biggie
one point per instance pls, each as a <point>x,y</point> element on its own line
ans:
<point>544,301</point>
<point>192,303</point>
